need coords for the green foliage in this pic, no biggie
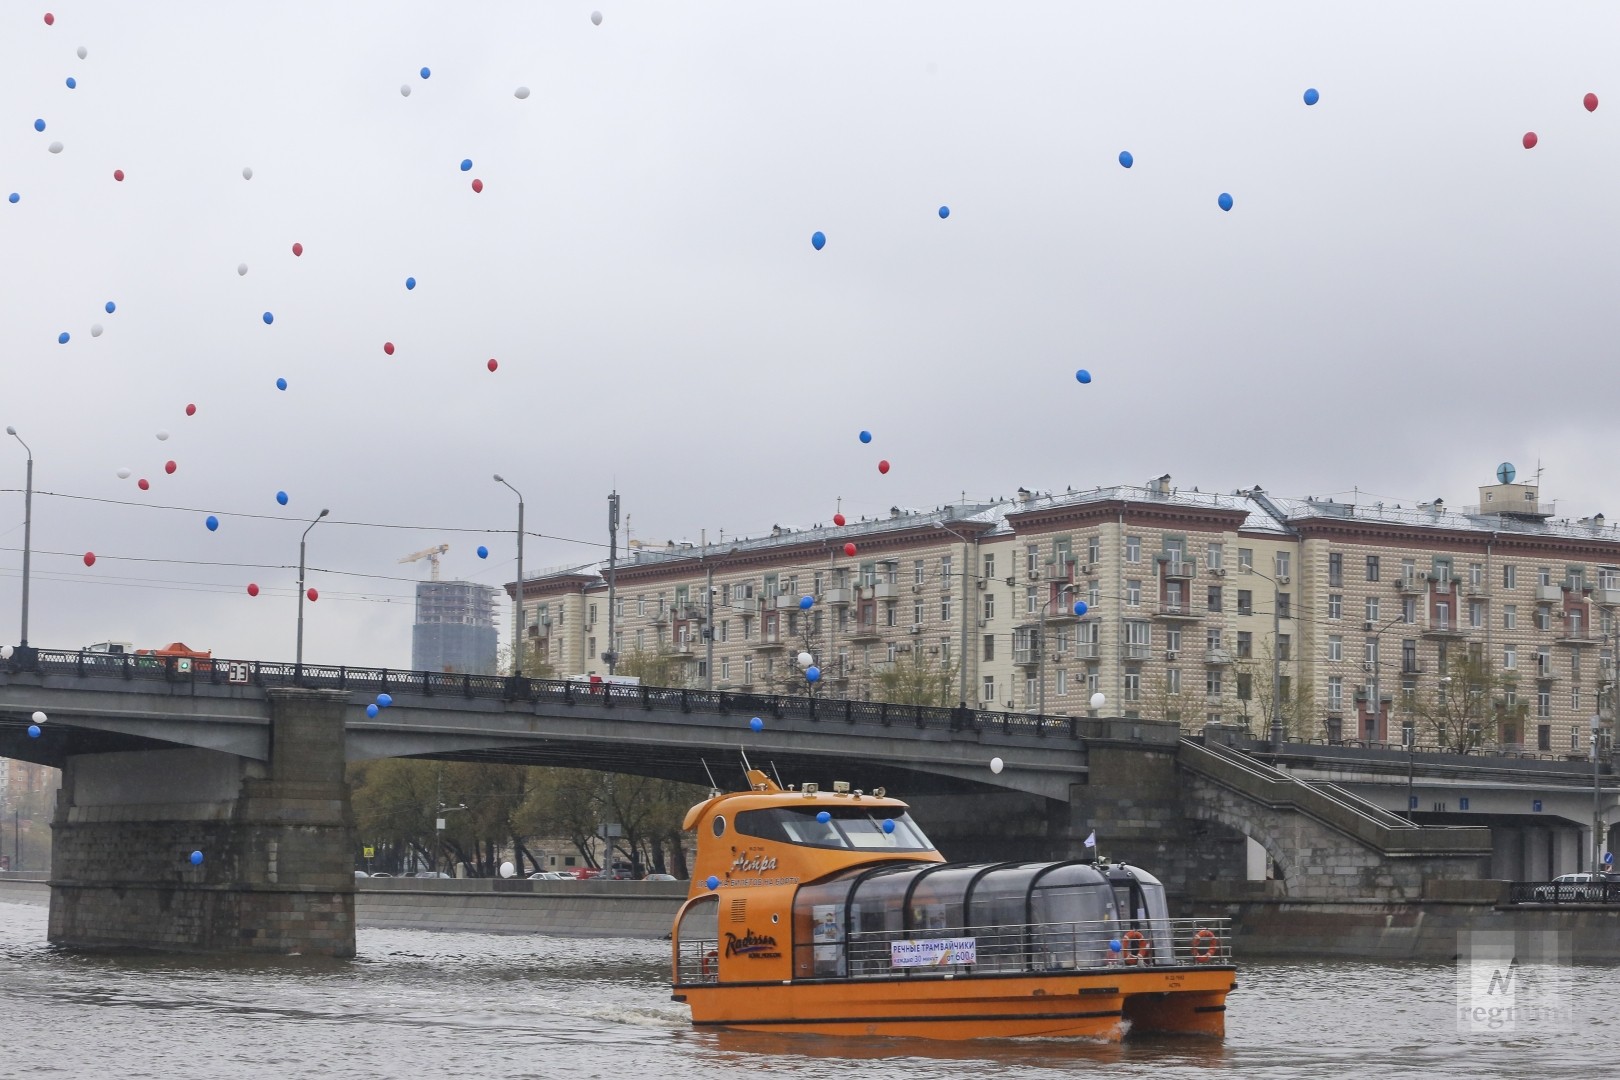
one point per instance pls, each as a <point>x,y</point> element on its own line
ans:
<point>917,678</point>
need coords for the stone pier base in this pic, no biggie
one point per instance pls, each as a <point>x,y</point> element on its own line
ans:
<point>277,840</point>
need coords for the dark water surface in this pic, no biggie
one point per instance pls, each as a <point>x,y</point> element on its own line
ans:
<point>471,1005</point>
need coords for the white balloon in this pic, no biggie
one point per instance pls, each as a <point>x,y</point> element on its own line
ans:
<point>163,436</point>
<point>404,89</point>
<point>521,93</point>
<point>805,659</point>
<point>95,329</point>
<point>596,18</point>
<point>1097,700</point>
<point>123,474</point>
<point>507,869</point>
<point>241,269</point>
<point>247,172</point>
<point>995,764</point>
<point>5,652</point>
<point>39,718</point>
<point>55,148</point>
<point>83,52</point>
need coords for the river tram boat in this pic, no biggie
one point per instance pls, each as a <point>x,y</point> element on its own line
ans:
<point>830,912</point>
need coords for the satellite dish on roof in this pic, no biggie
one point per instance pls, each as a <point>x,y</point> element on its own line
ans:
<point>1505,473</point>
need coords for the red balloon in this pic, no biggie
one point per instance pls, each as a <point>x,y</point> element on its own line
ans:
<point>118,174</point>
<point>169,466</point>
<point>142,484</point>
<point>298,249</point>
<point>89,558</point>
<point>253,590</point>
<point>849,549</point>
<point>191,410</point>
<point>313,595</point>
<point>838,519</point>
<point>883,466</point>
<point>478,185</point>
<point>1590,101</point>
<point>388,347</point>
<point>49,18</point>
<point>1529,140</point>
<point>492,365</point>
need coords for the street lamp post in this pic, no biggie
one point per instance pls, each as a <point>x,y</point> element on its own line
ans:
<point>28,529</point>
<point>966,572</point>
<point>438,829</point>
<point>1597,803</point>
<point>298,664</point>
<point>517,603</point>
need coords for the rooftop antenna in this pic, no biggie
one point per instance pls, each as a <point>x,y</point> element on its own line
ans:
<point>778,776</point>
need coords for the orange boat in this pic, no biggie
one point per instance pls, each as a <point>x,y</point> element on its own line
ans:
<point>831,913</point>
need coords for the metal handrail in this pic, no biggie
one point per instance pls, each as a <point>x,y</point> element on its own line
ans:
<point>1564,892</point>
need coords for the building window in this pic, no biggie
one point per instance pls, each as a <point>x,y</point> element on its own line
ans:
<point>1544,663</point>
<point>1212,638</point>
<point>1212,682</point>
<point>918,570</point>
<point>1543,736</point>
<point>1372,568</point>
<point>748,670</point>
<point>945,609</point>
<point>1543,576</point>
<point>1284,561</point>
<point>1172,680</point>
<point>1284,645</point>
<point>1133,684</point>
<point>1335,693</point>
<point>1335,569</point>
<point>1510,616</point>
<point>989,646</point>
<point>1544,704</point>
<point>725,669</point>
<point>1245,558</point>
<point>1245,644</point>
<point>989,606</point>
<point>1372,609</point>
<point>1133,549</point>
<point>1245,687</point>
<point>1335,648</point>
<point>1032,559</point>
<point>1245,602</point>
<point>945,572</point>
<point>1284,606</point>
<point>1476,574</point>
<point>1442,615</point>
<point>1510,576</point>
<point>987,689</point>
<point>917,612</point>
<point>1510,657</point>
<point>725,630</point>
<point>1476,614</point>
<point>641,605</point>
<point>1217,556</point>
<point>1335,605</point>
<point>1133,593</point>
<point>1138,639</point>
<point>1572,622</point>
<point>889,615</point>
<point>1213,600</point>
<point>639,641</point>
<point>1032,603</point>
<point>1409,609</point>
<point>1575,700</point>
<point>989,566</point>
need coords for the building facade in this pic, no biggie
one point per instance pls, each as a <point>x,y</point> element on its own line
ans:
<point>1494,626</point>
<point>455,627</point>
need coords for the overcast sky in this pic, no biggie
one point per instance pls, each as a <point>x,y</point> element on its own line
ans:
<point>1401,297</point>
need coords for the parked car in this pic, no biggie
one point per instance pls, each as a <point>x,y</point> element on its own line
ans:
<point>660,877</point>
<point>360,874</point>
<point>382,873</point>
<point>1582,886</point>
<point>430,874</point>
<point>551,875</point>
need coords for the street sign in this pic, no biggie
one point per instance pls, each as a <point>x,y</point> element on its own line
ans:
<point>1608,858</point>
<point>371,852</point>
<point>1535,804</point>
<point>236,672</point>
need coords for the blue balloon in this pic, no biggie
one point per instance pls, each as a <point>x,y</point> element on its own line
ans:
<point>757,724</point>
<point>712,882</point>
<point>888,825</point>
<point>62,338</point>
<point>111,307</point>
<point>39,125</point>
<point>426,72</point>
<point>212,523</point>
<point>196,858</point>
<point>866,436</point>
<point>281,384</point>
<point>1082,376</point>
<point>33,731</point>
<point>466,164</point>
<point>281,497</point>
<point>13,197</point>
<point>385,700</point>
<point>805,602</point>
<point>824,817</point>
<point>483,552</point>
<point>268,318</point>
<point>1115,946</point>
<point>944,212</point>
<point>371,711</point>
<point>410,283</point>
<point>72,83</point>
<point>1312,97</point>
<point>1080,607</point>
<point>818,240</point>
<point>1225,200</point>
<point>1125,159</point>
<point>812,674</point>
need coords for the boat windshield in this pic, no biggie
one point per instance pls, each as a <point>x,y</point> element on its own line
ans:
<point>856,828</point>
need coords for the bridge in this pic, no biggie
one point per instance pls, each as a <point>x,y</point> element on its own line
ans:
<point>244,760</point>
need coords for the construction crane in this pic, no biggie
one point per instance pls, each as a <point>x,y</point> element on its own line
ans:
<point>431,555</point>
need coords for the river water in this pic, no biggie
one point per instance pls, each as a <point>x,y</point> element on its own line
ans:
<point>421,1004</point>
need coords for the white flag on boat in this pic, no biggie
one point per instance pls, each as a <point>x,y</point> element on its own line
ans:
<point>1091,841</point>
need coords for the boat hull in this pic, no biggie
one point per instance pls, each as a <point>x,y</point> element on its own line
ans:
<point>1100,1005</point>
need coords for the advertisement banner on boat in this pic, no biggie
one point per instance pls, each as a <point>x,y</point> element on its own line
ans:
<point>934,952</point>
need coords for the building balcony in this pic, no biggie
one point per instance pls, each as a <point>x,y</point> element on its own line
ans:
<point>1026,657</point>
<point>1412,583</point>
<point>885,590</point>
<point>1606,597</point>
<point>661,618</point>
<point>1171,610</point>
<point>1443,586</point>
<point>1218,656</point>
<point>771,643</point>
<point>838,597</point>
<point>1447,629</point>
<point>746,607</point>
<point>1550,593</point>
<point>865,632</point>
<point>1138,652</point>
<point>1086,650</point>
<point>1178,569</point>
<point>1578,637</point>
<point>784,601</point>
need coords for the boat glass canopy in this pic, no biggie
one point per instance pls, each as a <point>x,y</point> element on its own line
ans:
<point>850,827</point>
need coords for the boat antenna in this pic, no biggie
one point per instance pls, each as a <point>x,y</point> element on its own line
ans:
<point>714,788</point>
<point>747,768</point>
<point>778,776</point>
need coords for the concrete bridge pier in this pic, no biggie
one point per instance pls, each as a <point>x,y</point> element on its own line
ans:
<point>277,839</point>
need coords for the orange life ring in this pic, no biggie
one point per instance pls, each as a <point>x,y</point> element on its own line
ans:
<point>710,963</point>
<point>1137,949</point>
<point>1203,946</point>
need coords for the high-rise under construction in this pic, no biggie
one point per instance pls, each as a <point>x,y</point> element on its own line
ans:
<point>455,627</point>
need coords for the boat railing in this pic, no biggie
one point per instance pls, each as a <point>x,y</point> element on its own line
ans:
<point>1055,946</point>
<point>698,961</point>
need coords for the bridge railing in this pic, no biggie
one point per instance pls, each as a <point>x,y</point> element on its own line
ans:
<point>365,680</point>
<point>1564,892</point>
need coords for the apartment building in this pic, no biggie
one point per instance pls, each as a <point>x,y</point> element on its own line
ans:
<point>1339,620</point>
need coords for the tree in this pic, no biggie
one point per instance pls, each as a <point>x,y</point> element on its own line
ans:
<point>1294,701</point>
<point>658,668</point>
<point>917,678</point>
<point>1471,704</point>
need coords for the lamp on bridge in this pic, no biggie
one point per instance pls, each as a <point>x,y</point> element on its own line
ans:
<point>517,598</point>
<point>22,654</point>
<point>298,663</point>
